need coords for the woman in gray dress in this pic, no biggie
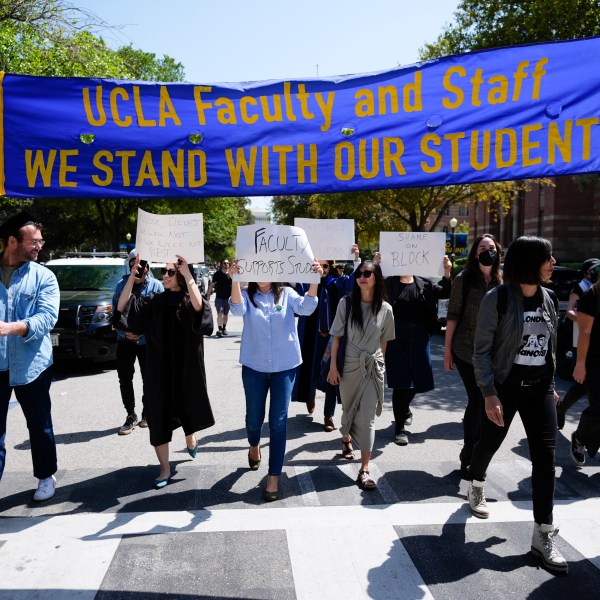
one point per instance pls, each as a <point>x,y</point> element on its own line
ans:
<point>369,328</point>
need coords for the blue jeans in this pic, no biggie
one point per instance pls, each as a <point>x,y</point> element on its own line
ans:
<point>256,387</point>
<point>34,399</point>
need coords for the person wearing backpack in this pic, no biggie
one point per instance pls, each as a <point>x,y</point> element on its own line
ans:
<point>481,274</point>
<point>589,270</point>
<point>514,359</point>
<point>587,434</point>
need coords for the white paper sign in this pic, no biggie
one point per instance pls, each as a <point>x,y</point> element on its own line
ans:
<point>329,238</point>
<point>160,237</point>
<point>412,253</point>
<point>274,253</point>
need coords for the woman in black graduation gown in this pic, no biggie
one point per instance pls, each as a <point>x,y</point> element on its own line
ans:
<point>174,323</point>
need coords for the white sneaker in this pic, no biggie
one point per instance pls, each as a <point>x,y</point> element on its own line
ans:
<point>544,546</point>
<point>46,488</point>
<point>476,498</point>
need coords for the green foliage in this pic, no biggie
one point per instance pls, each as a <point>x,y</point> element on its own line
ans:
<point>405,209</point>
<point>481,24</point>
<point>85,224</point>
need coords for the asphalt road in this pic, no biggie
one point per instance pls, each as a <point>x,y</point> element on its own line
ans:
<point>208,534</point>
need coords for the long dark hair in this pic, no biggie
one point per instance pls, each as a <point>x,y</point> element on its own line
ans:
<point>379,293</point>
<point>276,288</point>
<point>524,259</point>
<point>472,264</point>
<point>185,296</point>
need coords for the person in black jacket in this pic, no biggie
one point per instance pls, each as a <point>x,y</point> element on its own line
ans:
<point>174,324</point>
<point>408,358</point>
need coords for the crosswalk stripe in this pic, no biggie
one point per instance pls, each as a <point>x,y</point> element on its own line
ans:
<point>306,485</point>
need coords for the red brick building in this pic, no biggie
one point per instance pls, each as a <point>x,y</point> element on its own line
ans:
<point>567,216</point>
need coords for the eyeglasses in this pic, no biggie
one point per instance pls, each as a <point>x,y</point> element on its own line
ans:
<point>339,267</point>
<point>34,243</point>
<point>325,266</point>
<point>169,272</point>
<point>366,274</point>
<point>225,262</point>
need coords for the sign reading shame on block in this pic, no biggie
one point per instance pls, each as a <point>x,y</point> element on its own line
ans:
<point>329,238</point>
<point>274,253</point>
<point>412,253</point>
<point>160,238</point>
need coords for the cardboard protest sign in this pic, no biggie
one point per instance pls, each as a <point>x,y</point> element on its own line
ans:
<point>274,253</point>
<point>412,253</point>
<point>329,238</point>
<point>160,238</point>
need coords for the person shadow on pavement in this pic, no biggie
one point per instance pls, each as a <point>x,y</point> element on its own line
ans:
<point>424,555</point>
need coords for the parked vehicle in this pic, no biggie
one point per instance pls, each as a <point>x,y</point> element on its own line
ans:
<point>84,330</point>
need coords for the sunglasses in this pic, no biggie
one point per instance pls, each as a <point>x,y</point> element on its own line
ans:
<point>169,272</point>
<point>325,266</point>
<point>366,274</point>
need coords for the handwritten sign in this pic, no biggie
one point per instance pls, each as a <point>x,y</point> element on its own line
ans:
<point>160,238</point>
<point>329,238</point>
<point>274,253</point>
<point>412,253</point>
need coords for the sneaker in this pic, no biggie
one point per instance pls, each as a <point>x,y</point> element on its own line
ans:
<point>130,422</point>
<point>143,423</point>
<point>476,498</point>
<point>401,439</point>
<point>45,489</point>
<point>577,451</point>
<point>408,421</point>
<point>544,546</point>
<point>219,333</point>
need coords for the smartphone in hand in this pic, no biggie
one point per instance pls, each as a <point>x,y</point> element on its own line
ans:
<point>141,269</point>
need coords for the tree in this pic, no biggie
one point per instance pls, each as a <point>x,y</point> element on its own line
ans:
<point>484,24</point>
<point>102,223</point>
<point>404,209</point>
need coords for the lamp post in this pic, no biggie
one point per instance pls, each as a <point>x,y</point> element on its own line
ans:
<point>128,238</point>
<point>453,224</point>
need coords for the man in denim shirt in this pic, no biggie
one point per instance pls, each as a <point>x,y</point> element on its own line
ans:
<point>131,346</point>
<point>29,301</point>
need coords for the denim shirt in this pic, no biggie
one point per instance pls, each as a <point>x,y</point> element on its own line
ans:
<point>270,338</point>
<point>34,298</point>
<point>149,287</point>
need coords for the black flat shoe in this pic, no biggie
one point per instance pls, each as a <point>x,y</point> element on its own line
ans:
<point>270,496</point>
<point>253,464</point>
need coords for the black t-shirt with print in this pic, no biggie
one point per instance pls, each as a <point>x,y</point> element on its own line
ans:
<point>534,357</point>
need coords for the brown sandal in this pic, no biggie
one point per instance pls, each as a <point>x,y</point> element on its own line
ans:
<point>347,450</point>
<point>364,480</point>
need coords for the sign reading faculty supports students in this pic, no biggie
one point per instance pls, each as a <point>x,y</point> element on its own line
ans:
<point>160,237</point>
<point>329,238</point>
<point>274,253</point>
<point>498,114</point>
<point>412,253</point>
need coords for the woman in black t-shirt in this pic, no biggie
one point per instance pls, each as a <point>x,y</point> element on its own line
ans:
<point>408,358</point>
<point>587,435</point>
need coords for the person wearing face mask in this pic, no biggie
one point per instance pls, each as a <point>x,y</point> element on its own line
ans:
<point>589,269</point>
<point>481,274</point>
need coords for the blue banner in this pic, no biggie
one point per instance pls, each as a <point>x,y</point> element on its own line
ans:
<point>518,112</point>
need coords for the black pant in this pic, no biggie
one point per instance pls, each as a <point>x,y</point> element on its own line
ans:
<point>472,416</point>
<point>127,352</point>
<point>401,400</point>
<point>588,430</point>
<point>34,399</point>
<point>538,413</point>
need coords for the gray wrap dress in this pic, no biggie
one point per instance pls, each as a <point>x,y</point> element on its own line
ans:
<point>361,384</point>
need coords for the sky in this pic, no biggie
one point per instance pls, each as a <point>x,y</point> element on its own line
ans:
<point>256,40</point>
